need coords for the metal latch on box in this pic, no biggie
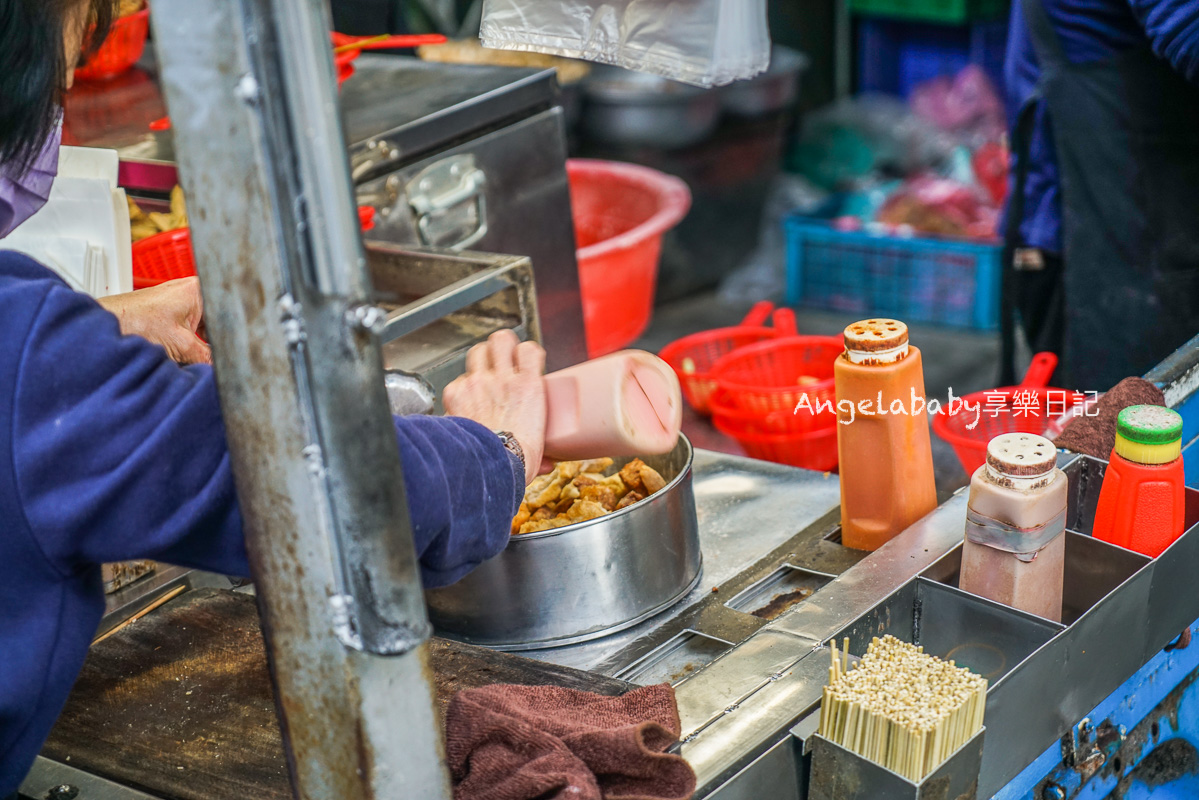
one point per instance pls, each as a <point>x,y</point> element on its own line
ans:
<point>443,196</point>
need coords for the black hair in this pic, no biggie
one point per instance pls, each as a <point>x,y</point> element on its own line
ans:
<point>33,70</point>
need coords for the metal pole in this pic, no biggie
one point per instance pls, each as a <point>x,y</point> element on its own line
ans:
<point>252,97</point>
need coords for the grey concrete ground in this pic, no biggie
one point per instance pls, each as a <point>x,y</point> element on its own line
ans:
<point>963,360</point>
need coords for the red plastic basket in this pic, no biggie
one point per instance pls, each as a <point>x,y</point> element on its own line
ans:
<point>759,436</point>
<point>620,213</point>
<point>765,377</point>
<point>163,257</point>
<point>692,357</point>
<point>1027,408</point>
<point>168,256</point>
<point>121,50</point>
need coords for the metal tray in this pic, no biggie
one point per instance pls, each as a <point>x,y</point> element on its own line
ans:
<point>1120,609</point>
<point>582,581</point>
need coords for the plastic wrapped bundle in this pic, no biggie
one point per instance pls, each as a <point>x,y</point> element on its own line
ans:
<point>701,42</point>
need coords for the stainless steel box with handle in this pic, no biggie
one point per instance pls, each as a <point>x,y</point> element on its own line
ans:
<point>471,158</point>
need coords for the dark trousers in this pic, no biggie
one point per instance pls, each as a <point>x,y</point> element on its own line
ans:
<point>1035,308</point>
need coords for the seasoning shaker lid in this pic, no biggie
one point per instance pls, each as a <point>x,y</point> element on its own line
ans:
<point>876,341</point>
<point>1148,434</point>
<point>1021,455</point>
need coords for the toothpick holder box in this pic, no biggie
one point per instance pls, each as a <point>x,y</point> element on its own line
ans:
<point>840,774</point>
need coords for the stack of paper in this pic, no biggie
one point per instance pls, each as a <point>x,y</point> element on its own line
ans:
<point>82,232</point>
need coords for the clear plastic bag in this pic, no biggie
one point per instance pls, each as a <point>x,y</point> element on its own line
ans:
<point>701,42</point>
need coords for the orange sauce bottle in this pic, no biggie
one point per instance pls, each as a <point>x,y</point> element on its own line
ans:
<point>882,434</point>
<point>1142,505</point>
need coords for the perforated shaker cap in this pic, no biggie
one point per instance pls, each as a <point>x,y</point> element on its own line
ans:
<point>876,341</point>
<point>1021,455</point>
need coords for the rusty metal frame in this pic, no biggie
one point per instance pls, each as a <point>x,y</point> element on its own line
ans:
<point>251,91</point>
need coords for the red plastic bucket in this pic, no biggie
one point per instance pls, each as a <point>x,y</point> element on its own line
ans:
<point>124,46</point>
<point>620,213</point>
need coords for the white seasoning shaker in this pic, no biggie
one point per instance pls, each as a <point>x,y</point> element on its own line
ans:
<point>1015,544</point>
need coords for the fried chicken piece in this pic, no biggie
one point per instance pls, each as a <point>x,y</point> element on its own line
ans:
<point>522,516</point>
<point>539,484</point>
<point>599,465</point>
<point>616,482</point>
<point>590,479</point>
<point>543,513</point>
<point>604,495</point>
<point>650,479</point>
<point>568,469</point>
<point>584,510</point>
<point>563,505</point>
<point>629,499</point>
<point>545,493</point>
<point>544,525</point>
<point>630,473</point>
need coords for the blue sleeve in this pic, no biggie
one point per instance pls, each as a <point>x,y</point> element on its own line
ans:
<point>121,455</point>
<point>463,490</point>
<point>1173,30</point>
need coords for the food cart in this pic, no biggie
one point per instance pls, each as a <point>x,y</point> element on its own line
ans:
<point>324,680</point>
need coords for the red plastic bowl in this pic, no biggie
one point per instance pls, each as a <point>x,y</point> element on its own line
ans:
<point>168,256</point>
<point>121,50</point>
<point>764,378</point>
<point>1027,408</point>
<point>620,213</point>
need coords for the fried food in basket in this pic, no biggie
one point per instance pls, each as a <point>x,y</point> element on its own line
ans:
<point>143,225</point>
<point>127,7</point>
<point>577,491</point>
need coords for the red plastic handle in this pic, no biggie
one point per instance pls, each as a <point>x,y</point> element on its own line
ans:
<point>390,43</point>
<point>784,321</point>
<point>163,124</point>
<point>366,218</point>
<point>758,315</point>
<point>1040,370</point>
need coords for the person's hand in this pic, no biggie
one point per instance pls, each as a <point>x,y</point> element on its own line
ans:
<point>169,315</point>
<point>503,390</point>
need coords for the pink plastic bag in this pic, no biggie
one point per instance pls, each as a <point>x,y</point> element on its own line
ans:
<point>966,104</point>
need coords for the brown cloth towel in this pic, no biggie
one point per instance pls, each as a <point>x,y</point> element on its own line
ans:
<point>1096,435</point>
<point>507,742</point>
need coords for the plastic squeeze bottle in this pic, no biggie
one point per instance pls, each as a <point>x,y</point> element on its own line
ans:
<point>623,404</point>
<point>1142,505</point>
<point>1015,547</point>
<point>882,441</point>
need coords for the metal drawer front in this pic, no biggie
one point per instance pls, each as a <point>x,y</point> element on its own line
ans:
<point>509,195</point>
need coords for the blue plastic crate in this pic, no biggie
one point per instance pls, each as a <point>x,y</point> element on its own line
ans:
<point>937,281</point>
<point>895,57</point>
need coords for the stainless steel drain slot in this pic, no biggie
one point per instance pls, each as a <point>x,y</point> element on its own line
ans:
<point>781,590</point>
<point>675,660</point>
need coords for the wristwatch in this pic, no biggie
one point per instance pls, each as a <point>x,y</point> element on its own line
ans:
<point>513,446</point>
